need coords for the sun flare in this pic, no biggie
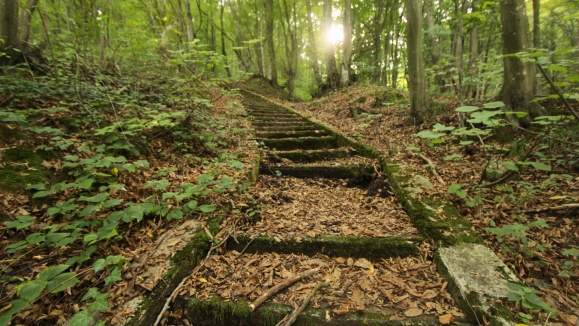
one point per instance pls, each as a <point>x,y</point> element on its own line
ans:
<point>336,34</point>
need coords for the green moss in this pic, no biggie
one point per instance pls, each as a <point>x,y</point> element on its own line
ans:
<point>308,157</point>
<point>291,134</point>
<point>310,171</point>
<point>370,248</point>
<point>22,167</point>
<point>8,133</point>
<point>216,311</point>
<point>447,228</point>
<point>301,143</point>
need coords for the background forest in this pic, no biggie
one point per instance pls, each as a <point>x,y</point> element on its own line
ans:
<point>104,90</point>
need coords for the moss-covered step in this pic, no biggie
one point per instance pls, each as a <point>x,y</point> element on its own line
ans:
<point>291,134</point>
<point>333,246</point>
<point>306,143</point>
<point>436,218</point>
<point>306,127</point>
<point>278,120</point>
<point>312,171</point>
<point>218,312</point>
<point>273,116</point>
<point>476,279</point>
<point>292,123</point>
<point>315,155</point>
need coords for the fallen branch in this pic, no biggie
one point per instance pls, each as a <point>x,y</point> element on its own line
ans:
<point>292,318</point>
<point>547,209</point>
<point>275,289</point>
<point>430,165</point>
<point>558,91</point>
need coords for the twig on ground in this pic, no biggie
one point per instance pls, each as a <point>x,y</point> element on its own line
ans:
<point>430,165</point>
<point>294,315</point>
<point>247,245</point>
<point>547,209</point>
<point>275,289</point>
<point>180,285</point>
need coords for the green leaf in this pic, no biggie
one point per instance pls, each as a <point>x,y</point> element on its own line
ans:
<point>114,259</point>
<point>41,194</point>
<point>82,318</point>
<point>204,178</point>
<point>207,208</point>
<point>518,114</point>
<point>62,282</point>
<point>114,277</point>
<point>192,204</point>
<point>90,238</point>
<point>536,301</point>
<point>112,202</point>
<point>573,78</point>
<point>96,198</point>
<point>429,134</point>
<point>572,252</point>
<point>100,304</point>
<point>158,184</point>
<point>440,127</point>
<point>493,105</point>
<point>17,306</point>
<point>452,157</point>
<point>466,142</point>
<point>539,224</point>
<point>168,195</point>
<point>175,214</point>
<point>55,237</point>
<point>553,67</point>
<point>134,212</point>
<point>31,290</point>
<point>89,209</point>
<point>35,238</point>
<point>51,272</point>
<point>454,188</point>
<point>21,223</point>
<point>540,166</point>
<point>99,265</point>
<point>466,109</point>
<point>514,286</point>
<point>509,165</point>
<point>90,294</point>
<point>72,158</point>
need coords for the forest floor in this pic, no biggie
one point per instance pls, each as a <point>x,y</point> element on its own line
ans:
<point>536,210</point>
<point>276,207</point>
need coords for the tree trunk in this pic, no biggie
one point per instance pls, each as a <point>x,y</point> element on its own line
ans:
<point>474,52</point>
<point>223,50</point>
<point>8,30</point>
<point>417,85</point>
<point>536,24</point>
<point>24,23</point>
<point>519,76</point>
<point>189,22</point>
<point>270,44</point>
<point>433,40</point>
<point>313,49</point>
<point>396,60</point>
<point>377,38</point>
<point>348,26</point>
<point>333,79</point>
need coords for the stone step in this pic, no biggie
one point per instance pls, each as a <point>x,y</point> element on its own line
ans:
<point>301,127</point>
<point>291,134</point>
<point>312,171</point>
<point>306,143</point>
<point>314,156</point>
<point>280,124</point>
<point>334,246</point>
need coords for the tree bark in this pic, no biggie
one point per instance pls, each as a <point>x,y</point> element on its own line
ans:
<point>347,55</point>
<point>333,78</point>
<point>189,22</point>
<point>518,76</point>
<point>313,49</point>
<point>377,39</point>
<point>536,24</point>
<point>417,85</point>
<point>8,30</point>
<point>24,23</point>
<point>270,44</point>
<point>223,50</point>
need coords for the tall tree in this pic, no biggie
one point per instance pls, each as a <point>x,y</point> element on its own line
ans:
<point>333,77</point>
<point>270,43</point>
<point>417,85</point>
<point>290,33</point>
<point>313,49</point>
<point>536,24</point>
<point>8,29</point>
<point>347,43</point>
<point>518,76</point>
<point>376,40</point>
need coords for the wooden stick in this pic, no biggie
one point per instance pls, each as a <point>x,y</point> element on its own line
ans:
<point>547,209</point>
<point>558,91</point>
<point>275,289</point>
<point>292,318</point>
<point>430,165</point>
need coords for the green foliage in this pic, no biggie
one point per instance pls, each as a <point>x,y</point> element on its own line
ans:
<point>528,299</point>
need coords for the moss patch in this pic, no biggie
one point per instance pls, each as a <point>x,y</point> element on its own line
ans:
<point>21,167</point>
<point>217,311</point>
<point>291,134</point>
<point>335,172</point>
<point>308,157</point>
<point>447,227</point>
<point>301,143</point>
<point>370,248</point>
